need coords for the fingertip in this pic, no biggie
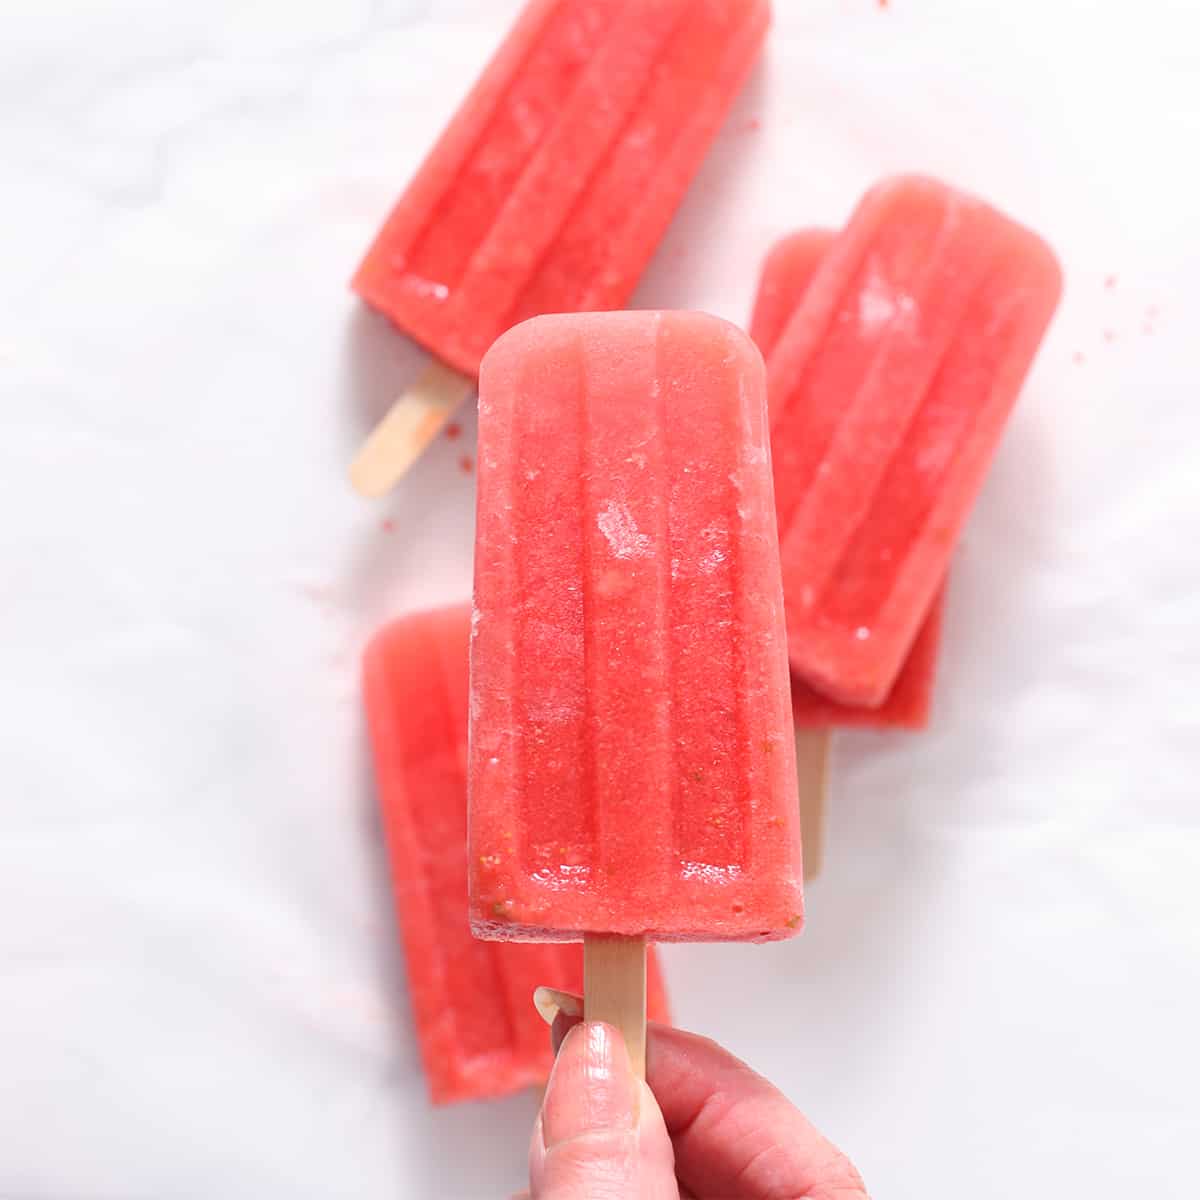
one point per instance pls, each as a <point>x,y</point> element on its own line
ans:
<point>600,1130</point>
<point>591,1087</point>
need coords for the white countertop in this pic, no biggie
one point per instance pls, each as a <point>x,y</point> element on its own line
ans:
<point>200,992</point>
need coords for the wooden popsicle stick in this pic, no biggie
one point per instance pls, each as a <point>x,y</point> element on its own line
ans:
<point>614,989</point>
<point>812,773</point>
<point>411,424</point>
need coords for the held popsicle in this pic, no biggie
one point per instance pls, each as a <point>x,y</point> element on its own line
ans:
<point>632,769</point>
<point>551,186</point>
<point>473,1001</point>
<point>889,389</point>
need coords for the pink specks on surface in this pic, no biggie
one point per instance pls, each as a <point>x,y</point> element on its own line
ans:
<point>1110,336</point>
<point>453,430</point>
<point>1110,282</point>
<point>1078,358</point>
<point>466,464</point>
<point>751,126</point>
<point>387,525</point>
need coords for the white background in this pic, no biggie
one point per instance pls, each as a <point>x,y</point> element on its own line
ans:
<point>200,994</point>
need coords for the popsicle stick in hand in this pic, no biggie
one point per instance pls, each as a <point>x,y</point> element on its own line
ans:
<point>413,422</point>
<point>614,989</point>
<point>812,774</point>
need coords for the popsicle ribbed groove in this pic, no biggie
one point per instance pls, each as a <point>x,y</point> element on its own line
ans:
<point>666,422</point>
<point>900,456</point>
<point>997,305</point>
<point>587,768</point>
<point>743,684</point>
<point>876,469</point>
<point>445,263</point>
<point>434,850</point>
<point>527,300</point>
<point>559,171</point>
<point>879,374</point>
<point>643,221</point>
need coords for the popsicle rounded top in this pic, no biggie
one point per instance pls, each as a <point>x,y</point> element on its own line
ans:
<point>786,273</point>
<point>553,183</point>
<point>889,387</point>
<point>631,762</point>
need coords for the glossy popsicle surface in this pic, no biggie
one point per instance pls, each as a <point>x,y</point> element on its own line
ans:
<point>889,389</point>
<point>552,185</point>
<point>473,1001</point>
<point>632,764</point>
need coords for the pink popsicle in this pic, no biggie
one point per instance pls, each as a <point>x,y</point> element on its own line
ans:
<point>786,274</point>
<point>632,764</point>
<point>552,185</point>
<point>889,388</point>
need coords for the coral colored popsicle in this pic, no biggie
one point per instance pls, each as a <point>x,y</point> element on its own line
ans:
<point>552,185</point>
<point>786,274</point>
<point>787,271</point>
<point>632,763</point>
<point>889,389</point>
<point>473,1001</point>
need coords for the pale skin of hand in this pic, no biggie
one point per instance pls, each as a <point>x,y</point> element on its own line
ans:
<point>703,1127</point>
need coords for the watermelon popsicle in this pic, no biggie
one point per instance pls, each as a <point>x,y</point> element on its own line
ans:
<point>551,186</point>
<point>631,766</point>
<point>889,387</point>
<point>786,274</point>
<point>478,1032</point>
<point>787,271</point>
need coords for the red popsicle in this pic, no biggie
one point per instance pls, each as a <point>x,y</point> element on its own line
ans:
<point>631,753</point>
<point>473,1001</point>
<point>787,271</point>
<point>889,387</point>
<point>552,185</point>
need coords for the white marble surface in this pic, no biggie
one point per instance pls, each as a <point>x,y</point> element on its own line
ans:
<point>200,994</point>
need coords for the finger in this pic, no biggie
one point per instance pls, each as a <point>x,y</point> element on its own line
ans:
<point>734,1133</point>
<point>562,1011</point>
<point>563,1024</point>
<point>600,1135</point>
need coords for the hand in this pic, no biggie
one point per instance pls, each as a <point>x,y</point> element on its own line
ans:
<point>706,1128</point>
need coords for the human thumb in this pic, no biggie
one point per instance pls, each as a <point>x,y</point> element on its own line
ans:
<point>600,1135</point>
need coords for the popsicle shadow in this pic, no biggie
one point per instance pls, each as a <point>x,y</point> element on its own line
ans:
<point>380,362</point>
<point>985,646</point>
<point>884,792</point>
<point>929,778</point>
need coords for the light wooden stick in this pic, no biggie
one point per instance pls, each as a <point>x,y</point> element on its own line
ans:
<point>412,423</point>
<point>614,989</point>
<point>812,771</point>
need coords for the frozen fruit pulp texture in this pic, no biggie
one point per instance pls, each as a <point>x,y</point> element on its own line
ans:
<point>889,388</point>
<point>555,180</point>
<point>787,271</point>
<point>632,764</point>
